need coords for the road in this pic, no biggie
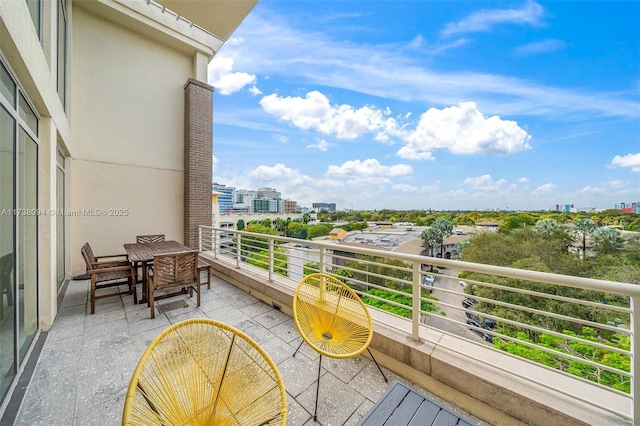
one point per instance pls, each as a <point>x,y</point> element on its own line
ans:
<point>448,279</point>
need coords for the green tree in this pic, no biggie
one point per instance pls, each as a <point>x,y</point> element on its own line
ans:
<point>549,226</point>
<point>280,225</point>
<point>318,230</point>
<point>311,268</point>
<point>446,230</point>
<point>582,228</point>
<point>431,238</point>
<point>465,219</point>
<point>403,298</point>
<point>261,260</point>
<point>251,243</point>
<point>297,230</point>
<point>266,222</point>
<point>240,225</point>
<point>517,221</point>
<point>606,241</point>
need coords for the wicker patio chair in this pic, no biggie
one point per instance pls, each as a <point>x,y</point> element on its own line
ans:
<point>331,319</point>
<point>204,372</point>
<point>171,271</point>
<point>108,273</point>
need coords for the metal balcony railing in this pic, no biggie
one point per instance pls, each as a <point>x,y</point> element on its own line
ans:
<point>583,328</point>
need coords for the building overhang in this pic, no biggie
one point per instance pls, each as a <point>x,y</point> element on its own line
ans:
<point>190,26</point>
<point>219,17</point>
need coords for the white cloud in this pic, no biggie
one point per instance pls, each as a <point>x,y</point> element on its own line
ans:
<point>292,184</point>
<point>484,183</point>
<point>591,190</point>
<point>368,168</point>
<point>550,45</point>
<point>530,13</point>
<point>322,145</point>
<point>463,129</point>
<point>214,161</point>
<point>281,138</point>
<point>279,171</point>
<point>410,153</point>
<point>618,184</point>
<point>629,160</point>
<point>255,91</point>
<point>220,75</point>
<point>274,46</point>
<point>403,187</point>
<point>315,112</point>
<point>523,180</point>
<point>547,187</point>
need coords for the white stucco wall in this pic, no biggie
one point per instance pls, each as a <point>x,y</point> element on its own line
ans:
<point>127,118</point>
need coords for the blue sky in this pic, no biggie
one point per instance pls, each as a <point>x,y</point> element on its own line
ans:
<point>432,104</point>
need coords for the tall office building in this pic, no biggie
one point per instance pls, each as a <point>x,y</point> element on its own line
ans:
<point>225,200</point>
<point>330,207</point>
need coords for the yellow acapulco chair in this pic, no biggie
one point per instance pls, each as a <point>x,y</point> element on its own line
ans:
<point>331,319</point>
<point>204,372</point>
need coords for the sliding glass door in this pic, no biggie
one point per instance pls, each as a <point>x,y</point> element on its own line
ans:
<point>18,227</point>
<point>7,244</point>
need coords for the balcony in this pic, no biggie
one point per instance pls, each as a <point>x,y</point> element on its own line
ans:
<point>86,362</point>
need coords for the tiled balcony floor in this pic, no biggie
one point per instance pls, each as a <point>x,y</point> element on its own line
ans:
<point>85,366</point>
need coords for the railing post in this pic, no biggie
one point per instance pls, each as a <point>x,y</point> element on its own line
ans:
<point>635,364</point>
<point>200,238</point>
<point>321,261</point>
<point>215,240</point>
<point>238,251</point>
<point>415,317</point>
<point>270,259</point>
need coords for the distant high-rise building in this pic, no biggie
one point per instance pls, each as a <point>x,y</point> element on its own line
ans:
<point>243,201</point>
<point>225,200</point>
<point>290,206</point>
<point>268,193</point>
<point>330,207</point>
<point>266,205</point>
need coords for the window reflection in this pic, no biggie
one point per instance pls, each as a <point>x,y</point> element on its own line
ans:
<point>27,246</point>
<point>7,302</point>
<point>27,114</point>
<point>35,10</point>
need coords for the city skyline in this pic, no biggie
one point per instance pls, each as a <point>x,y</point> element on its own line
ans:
<point>432,105</point>
<point>227,196</point>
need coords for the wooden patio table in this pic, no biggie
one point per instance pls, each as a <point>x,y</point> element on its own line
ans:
<point>144,252</point>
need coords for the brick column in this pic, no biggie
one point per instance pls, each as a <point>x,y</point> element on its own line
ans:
<point>198,152</point>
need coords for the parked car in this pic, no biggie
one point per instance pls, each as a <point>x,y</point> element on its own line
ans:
<point>490,323</point>
<point>474,317</point>
<point>469,303</point>
<point>482,331</point>
<point>428,281</point>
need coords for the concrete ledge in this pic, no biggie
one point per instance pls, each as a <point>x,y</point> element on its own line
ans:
<point>459,371</point>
